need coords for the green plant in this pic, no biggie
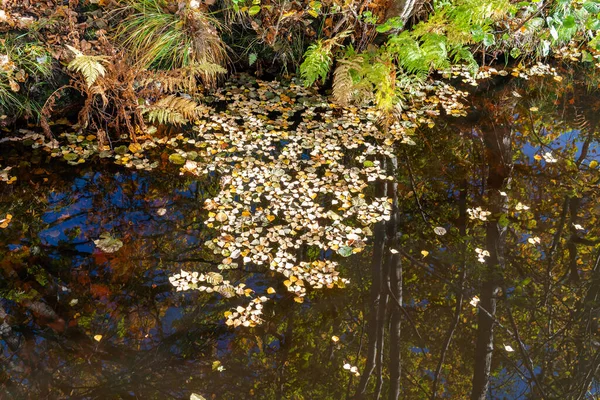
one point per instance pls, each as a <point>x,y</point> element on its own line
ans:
<point>318,59</point>
<point>159,38</point>
<point>24,68</point>
<point>317,62</point>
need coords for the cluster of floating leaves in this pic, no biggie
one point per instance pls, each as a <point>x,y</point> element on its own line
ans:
<point>353,369</point>
<point>248,316</point>
<point>481,254</point>
<point>538,69</point>
<point>572,52</point>
<point>283,190</point>
<point>199,281</point>
<point>478,213</point>
<point>79,148</point>
<point>295,173</point>
<point>468,76</point>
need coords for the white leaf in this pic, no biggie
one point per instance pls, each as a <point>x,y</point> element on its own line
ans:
<point>439,230</point>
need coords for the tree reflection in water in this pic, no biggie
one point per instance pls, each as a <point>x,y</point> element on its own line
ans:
<point>426,315</point>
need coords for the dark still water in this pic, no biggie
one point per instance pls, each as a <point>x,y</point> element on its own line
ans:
<point>494,291</point>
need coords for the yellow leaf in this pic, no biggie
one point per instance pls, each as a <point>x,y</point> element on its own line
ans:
<point>270,290</point>
<point>299,299</point>
<point>271,218</point>
<point>335,339</point>
<point>533,109</point>
<point>227,313</point>
<point>287,283</point>
<point>98,338</point>
<point>593,164</point>
<point>135,147</point>
<point>537,157</point>
<point>425,253</point>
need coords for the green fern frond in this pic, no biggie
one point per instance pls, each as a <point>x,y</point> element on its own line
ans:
<point>89,66</point>
<point>316,64</point>
<point>206,68</point>
<point>317,59</point>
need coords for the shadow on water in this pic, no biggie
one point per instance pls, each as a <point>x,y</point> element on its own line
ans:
<point>504,304</point>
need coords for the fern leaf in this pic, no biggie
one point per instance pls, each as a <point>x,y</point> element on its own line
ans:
<point>317,61</point>
<point>343,85</point>
<point>214,278</point>
<point>172,110</point>
<point>206,68</point>
<point>89,66</point>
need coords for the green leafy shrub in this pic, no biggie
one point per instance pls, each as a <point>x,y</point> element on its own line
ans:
<point>24,69</point>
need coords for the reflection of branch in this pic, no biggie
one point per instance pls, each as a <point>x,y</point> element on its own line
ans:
<point>414,188</point>
<point>415,381</point>
<point>408,317</point>
<point>428,267</point>
<point>528,362</point>
<point>459,299</point>
<point>180,260</point>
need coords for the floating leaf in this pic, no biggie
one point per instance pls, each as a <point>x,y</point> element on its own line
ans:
<point>214,278</point>
<point>441,231</point>
<point>135,147</point>
<point>70,156</point>
<point>121,150</point>
<point>221,217</point>
<point>107,243</point>
<point>345,251</point>
<point>176,158</point>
